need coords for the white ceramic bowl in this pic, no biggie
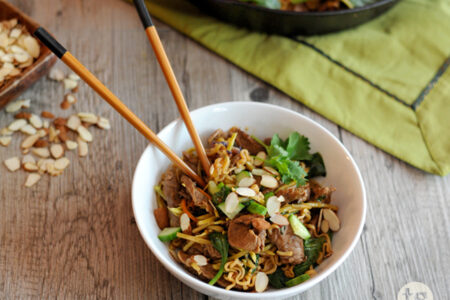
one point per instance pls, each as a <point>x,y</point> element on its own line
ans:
<point>262,120</point>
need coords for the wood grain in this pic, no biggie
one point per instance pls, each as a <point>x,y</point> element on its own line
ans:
<point>74,236</point>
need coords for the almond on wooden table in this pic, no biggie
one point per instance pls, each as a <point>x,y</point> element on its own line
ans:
<point>57,150</point>
<point>28,158</point>
<point>30,167</point>
<point>82,147</point>
<point>22,115</point>
<point>29,141</point>
<point>47,115</point>
<point>56,74</point>
<point>73,122</point>
<point>28,129</point>
<point>5,141</point>
<point>36,121</point>
<point>84,134</point>
<point>103,123</point>
<point>89,118</point>
<point>71,145</point>
<point>13,163</point>
<point>41,152</point>
<point>62,163</point>
<point>32,179</point>
<point>17,124</point>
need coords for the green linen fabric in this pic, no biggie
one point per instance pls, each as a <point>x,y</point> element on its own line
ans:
<point>386,81</point>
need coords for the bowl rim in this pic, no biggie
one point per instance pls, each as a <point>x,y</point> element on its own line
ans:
<point>219,291</point>
<point>308,13</point>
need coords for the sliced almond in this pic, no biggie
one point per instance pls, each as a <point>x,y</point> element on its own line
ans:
<point>70,98</point>
<point>269,181</point>
<point>45,124</point>
<point>28,129</point>
<point>103,123</point>
<point>30,167</point>
<point>231,202</point>
<point>17,105</point>
<point>259,172</point>
<point>17,124</point>
<point>200,260</point>
<point>56,74</point>
<point>5,141</point>
<point>41,144</point>
<point>271,171</point>
<point>89,118</point>
<point>71,145</point>
<point>65,104</point>
<point>82,147</point>
<point>74,76</point>
<point>22,115</point>
<point>325,226</point>
<point>32,179</point>
<point>15,33</point>
<point>35,121</point>
<point>13,163</point>
<point>42,132</point>
<point>245,192</point>
<point>22,57</point>
<point>62,163</point>
<point>28,158</point>
<point>279,219</point>
<point>246,182</point>
<point>60,122</point>
<point>73,122</point>
<point>6,131</point>
<point>32,46</point>
<point>84,134</point>
<point>41,152</point>
<point>52,134</point>
<point>185,222</point>
<point>260,158</point>
<point>47,114</point>
<point>56,150</point>
<point>29,141</point>
<point>273,205</point>
<point>69,84</point>
<point>261,282</point>
<point>332,219</point>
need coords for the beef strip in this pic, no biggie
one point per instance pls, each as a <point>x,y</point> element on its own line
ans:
<point>244,141</point>
<point>170,188</point>
<point>248,232</point>
<point>319,191</point>
<point>206,250</point>
<point>288,241</point>
<point>294,193</point>
<point>206,272</point>
<point>191,159</point>
<point>198,198</point>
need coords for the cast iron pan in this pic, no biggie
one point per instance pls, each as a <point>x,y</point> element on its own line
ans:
<point>289,22</point>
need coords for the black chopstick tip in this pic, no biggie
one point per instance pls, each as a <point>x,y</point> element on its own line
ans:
<point>52,44</point>
<point>143,13</point>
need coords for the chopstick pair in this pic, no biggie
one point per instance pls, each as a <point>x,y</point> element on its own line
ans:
<point>120,107</point>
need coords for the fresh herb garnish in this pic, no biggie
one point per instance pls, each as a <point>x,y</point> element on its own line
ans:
<point>316,166</point>
<point>312,248</point>
<point>220,242</point>
<point>274,4</point>
<point>222,194</point>
<point>277,279</point>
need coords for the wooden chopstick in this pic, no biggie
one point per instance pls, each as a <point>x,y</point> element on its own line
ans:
<point>164,63</point>
<point>112,99</point>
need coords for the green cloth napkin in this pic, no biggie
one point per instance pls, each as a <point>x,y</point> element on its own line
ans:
<point>386,81</point>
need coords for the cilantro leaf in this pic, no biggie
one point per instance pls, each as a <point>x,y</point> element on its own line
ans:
<point>298,147</point>
<point>316,166</point>
<point>289,170</point>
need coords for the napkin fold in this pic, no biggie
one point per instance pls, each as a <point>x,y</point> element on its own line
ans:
<point>387,81</point>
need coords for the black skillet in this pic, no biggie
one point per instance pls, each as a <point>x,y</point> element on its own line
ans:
<point>288,22</point>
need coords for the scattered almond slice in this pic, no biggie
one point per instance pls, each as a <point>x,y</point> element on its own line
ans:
<point>103,123</point>
<point>89,118</point>
<point>5,131</point>
<point>35,121</point>
<point>32,179</point>
<point>32,46</point>
<point>5,141</point>
<point>42,133</point>
<point>65,104</point>
<point>56,74</point>
<point>62,163</point>
<point>28,158</point>
<point>28,129</point>
<point>22,115</point>
<point>41,152</point>
<point>82,147</point>
<point>17,124</point>
<point>84,134</point>
<point>73,122</point>
<point>47,114</point>
<point>71,145</point>
<point>52,134</point>
<point>70,98</point>
<point>29,141</point>
<point>30,167</point>
<point>74,76</point>
<point>17,105</point>
<point>57,150</point>
<point>46,124</point>
<point>41,144</point>
<point>13,163</point>
<point>69,84</point>
<point>332,219</point>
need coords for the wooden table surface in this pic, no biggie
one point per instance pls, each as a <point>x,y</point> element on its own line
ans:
<point>74,236</point>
